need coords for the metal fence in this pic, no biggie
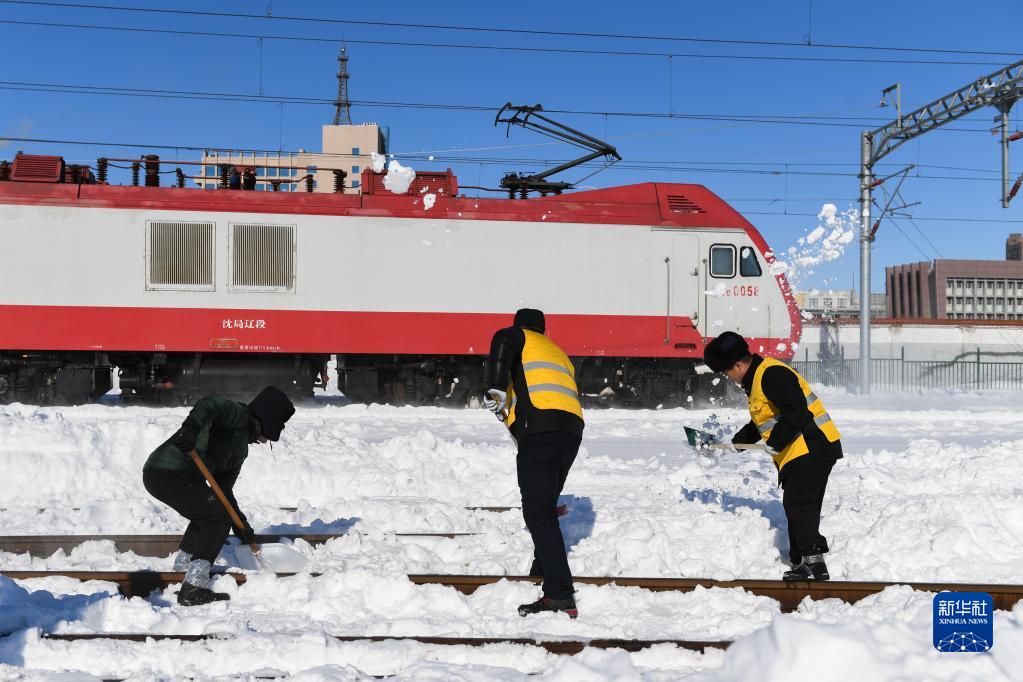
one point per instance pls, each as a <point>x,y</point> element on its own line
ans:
<point>896,374</point>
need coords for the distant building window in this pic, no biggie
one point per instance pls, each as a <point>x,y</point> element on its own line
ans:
<point>355,183</point>
<point>271,172</point>
<point>356,152</point>
<point>814,302</point>
<point>260,170</point>
<point>211,171</point>
<point>355,169</point>
<point>827,303</point>
<point>211,185</point>
<point>315,184</point>
<point>261,186</point>
<point>310,169</point>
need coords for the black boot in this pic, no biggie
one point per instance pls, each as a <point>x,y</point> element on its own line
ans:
<point>191,595</point>
<point>549,604</point>
<point>812,567</point>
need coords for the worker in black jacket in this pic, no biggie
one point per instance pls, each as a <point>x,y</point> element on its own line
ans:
<point>800,436</point>
<point>531,388</point>
<point>220,431</point>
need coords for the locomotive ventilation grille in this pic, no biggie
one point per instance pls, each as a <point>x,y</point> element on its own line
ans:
<point>181,255</point>
<point>263,257</point>
<point>678,203</point>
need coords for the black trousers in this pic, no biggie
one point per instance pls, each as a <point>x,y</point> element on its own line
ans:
<point>542,464</point>
<point>803,482</point>
<point>209,523</point>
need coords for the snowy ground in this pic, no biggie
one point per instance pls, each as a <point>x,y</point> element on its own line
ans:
<point>930,490</point>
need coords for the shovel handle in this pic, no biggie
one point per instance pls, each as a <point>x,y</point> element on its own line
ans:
<point>220,495</point>
<point>734,446</point>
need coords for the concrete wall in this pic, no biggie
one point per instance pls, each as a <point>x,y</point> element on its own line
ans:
<point>918,341</point>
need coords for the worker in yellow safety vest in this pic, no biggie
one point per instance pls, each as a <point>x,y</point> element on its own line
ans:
<point>800,436</point>
<point>532,389</point>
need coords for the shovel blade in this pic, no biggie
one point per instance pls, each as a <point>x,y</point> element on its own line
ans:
<point>272,557</point>
<point>698,439</point>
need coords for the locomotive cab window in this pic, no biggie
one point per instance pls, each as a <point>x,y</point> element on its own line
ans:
<point>722,260</point>
<point>262,257</point>
<point>749,266</point>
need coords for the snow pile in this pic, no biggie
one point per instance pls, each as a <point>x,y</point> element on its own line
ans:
<point>379,162</point>
<point>399,178</point>
<point>928,491</point>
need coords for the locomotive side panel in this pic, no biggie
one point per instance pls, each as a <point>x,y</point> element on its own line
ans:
<point>359,283</point>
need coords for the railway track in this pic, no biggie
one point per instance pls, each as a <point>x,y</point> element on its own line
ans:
<point>163,544</point>
<point>788,595</point>
<point>557,646</point>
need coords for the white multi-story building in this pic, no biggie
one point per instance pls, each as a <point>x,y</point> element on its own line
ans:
<point>345,147</point>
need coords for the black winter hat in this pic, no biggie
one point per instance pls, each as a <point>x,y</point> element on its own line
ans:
<point>272,408</point>
<point>531,318</point>
<point>724,351</point>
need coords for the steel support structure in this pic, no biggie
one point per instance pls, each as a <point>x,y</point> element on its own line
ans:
<point>1001,89</point>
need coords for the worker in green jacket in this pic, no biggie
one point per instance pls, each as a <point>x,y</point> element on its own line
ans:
<point>220,431</point>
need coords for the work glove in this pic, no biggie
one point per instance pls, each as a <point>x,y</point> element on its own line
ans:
<point>494,400</point>
<point>184,438</point>
<point>246,535</point>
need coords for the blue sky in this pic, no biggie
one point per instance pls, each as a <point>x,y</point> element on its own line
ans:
<point>778,175</point>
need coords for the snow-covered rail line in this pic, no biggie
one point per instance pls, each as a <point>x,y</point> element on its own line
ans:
<point>556,646</point>
<point>788,595</point>
<point>164,544</point>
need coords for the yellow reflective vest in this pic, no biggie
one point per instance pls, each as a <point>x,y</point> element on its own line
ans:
<point>765,414</point>
<point>550,378</point>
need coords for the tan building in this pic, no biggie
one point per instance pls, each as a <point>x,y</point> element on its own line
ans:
<point>1014,247</point>
<point>345,147</point>
<point>838,304</point>
<point>956,289</point>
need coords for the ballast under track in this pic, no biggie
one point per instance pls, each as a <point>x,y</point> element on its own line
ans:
<point>788,595</point>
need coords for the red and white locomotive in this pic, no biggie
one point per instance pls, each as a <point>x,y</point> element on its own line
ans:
<point>189,291</point>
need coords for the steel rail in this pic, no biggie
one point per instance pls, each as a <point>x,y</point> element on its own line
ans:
<point>161,545</point>
<point>788,595</point>
<point>556,646</point>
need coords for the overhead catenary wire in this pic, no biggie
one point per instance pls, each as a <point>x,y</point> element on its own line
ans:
<point>104,90</point>
<point>500,48</point>
<point>276,18</point>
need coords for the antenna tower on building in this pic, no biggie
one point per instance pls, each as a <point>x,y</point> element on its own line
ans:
<point>342,110</point>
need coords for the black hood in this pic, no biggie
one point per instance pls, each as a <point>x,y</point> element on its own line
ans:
<point>724,351</point>
<point>272,408</point>
<point>530,318</point>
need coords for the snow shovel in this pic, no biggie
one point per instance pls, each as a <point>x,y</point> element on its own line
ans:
<point>703,440</point>
<point>289,559</point>
<point>699,439</point>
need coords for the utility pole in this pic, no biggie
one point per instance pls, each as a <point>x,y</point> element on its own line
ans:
<point>1001,89</point>
<point>866,181</point>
